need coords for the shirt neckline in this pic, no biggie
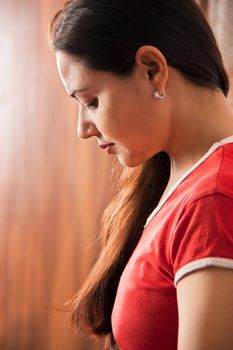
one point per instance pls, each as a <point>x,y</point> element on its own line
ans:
<point>216,145</point>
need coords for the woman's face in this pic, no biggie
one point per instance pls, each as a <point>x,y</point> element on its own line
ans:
<point>120,112</point>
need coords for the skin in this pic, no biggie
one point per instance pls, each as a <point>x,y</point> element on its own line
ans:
<point>205,306</point>
<point>118,118</point>
<point>185,124</point>
<point>127,113</point>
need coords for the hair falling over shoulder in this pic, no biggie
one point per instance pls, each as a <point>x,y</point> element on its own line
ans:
<point>121,228</point>
<point>106,35</point>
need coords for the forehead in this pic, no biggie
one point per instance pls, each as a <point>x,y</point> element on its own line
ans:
<point>73,73</point>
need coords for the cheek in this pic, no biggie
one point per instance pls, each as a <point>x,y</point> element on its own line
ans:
<point>112,120</point>
<point>122,116</point>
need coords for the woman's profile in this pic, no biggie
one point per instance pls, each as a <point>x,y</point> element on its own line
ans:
<point>151,87</point>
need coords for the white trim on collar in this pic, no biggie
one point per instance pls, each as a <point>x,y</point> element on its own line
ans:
<point>176,184</point>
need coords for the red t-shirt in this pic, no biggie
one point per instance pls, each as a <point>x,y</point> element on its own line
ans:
<point>191,229</point>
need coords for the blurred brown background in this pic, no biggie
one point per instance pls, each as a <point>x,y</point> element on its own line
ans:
<point>53,186</point>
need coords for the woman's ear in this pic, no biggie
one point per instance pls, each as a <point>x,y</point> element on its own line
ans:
<point>154,65</point>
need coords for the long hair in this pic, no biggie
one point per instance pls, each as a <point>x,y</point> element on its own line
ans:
<point>106,35</point>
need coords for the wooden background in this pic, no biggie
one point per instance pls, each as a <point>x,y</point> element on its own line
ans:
<point>53,186</point>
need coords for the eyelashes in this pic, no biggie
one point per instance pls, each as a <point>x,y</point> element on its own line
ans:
<point>93,104</point>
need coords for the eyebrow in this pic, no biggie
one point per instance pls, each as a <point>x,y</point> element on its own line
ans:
<point>80,90</point>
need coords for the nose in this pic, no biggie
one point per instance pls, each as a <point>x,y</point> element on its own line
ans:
<point>85,127</point>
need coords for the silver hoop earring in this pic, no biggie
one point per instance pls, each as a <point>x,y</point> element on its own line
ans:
<point>157,95</point>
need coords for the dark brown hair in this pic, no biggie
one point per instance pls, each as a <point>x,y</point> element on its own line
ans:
<point>105,35</point>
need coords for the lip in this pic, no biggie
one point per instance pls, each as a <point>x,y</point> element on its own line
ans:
<point>108,148</point>
<point>106,145</point>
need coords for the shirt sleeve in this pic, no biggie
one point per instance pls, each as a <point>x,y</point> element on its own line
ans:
<point>203,235</point>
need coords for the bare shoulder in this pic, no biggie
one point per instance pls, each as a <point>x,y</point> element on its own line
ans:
<point>205,306</point>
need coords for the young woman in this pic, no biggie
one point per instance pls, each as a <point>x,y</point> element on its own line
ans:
<point>151,87</point>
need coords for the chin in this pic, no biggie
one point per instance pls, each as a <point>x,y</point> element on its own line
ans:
<point>130,162</point>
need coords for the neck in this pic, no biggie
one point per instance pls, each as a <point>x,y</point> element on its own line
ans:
<point>202,118</point>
